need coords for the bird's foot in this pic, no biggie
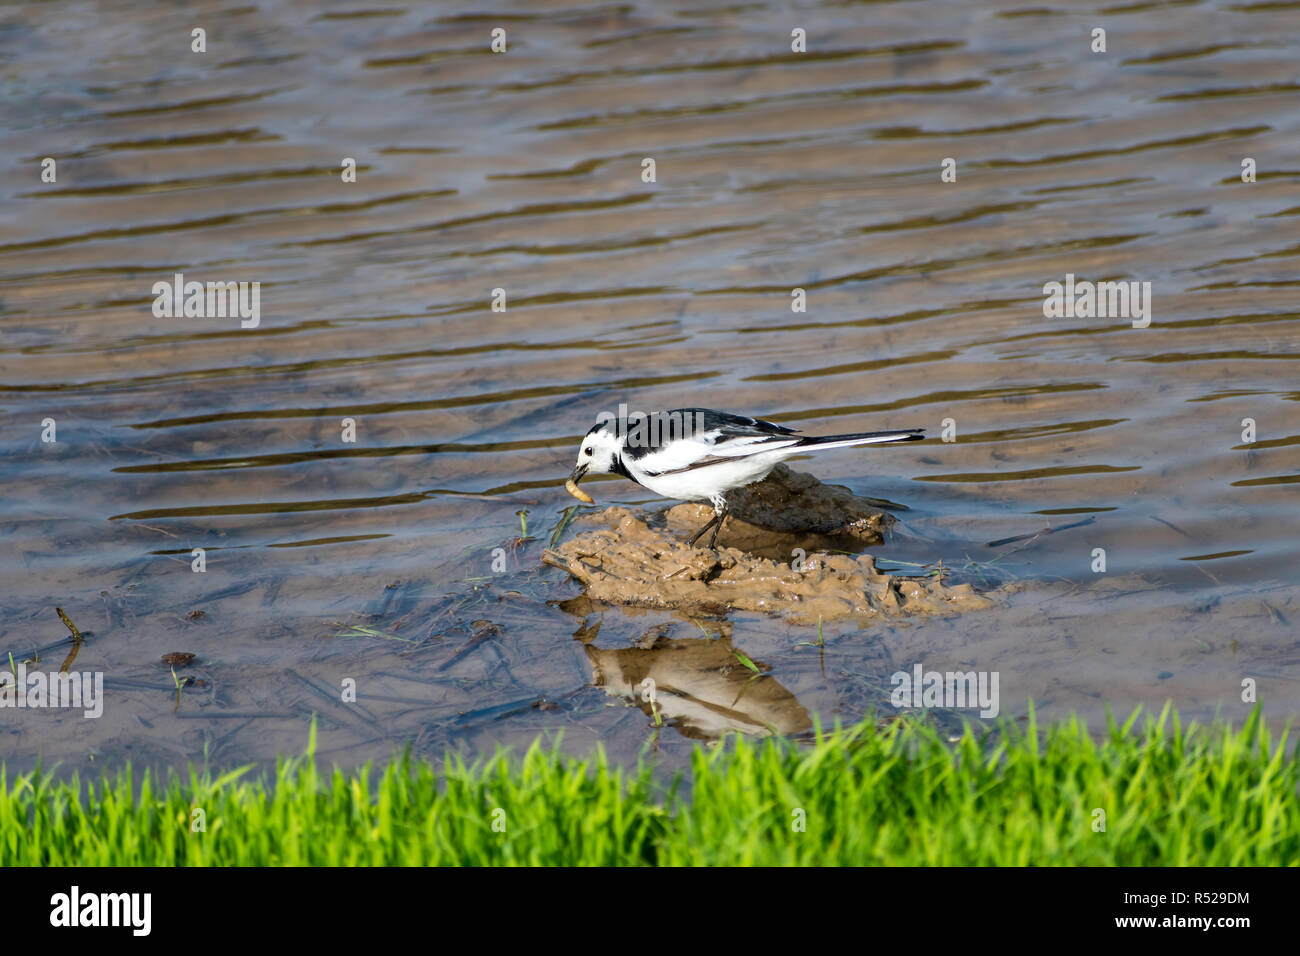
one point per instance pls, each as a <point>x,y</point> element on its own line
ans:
<point>715,523</point>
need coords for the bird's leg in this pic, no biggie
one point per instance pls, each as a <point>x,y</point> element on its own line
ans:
<point>712,522</point>
<point>713,539</point>
<point>720,515</point>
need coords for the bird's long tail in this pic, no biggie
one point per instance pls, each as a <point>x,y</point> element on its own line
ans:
<point>863,438</point>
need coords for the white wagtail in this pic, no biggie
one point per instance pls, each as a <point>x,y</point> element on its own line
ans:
<point>697,454</point>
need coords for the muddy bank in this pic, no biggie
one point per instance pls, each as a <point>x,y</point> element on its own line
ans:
<point>644,561</point>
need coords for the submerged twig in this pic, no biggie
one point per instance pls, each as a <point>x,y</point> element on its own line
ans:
<point>1028,538</point>
<point>76,634</point>
<point>77,641</point>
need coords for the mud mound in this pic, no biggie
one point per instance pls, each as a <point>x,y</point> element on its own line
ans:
<point>629,562</point>
<point>791,503</point>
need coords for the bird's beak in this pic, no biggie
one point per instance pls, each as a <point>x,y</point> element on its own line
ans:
<point>571,486</point>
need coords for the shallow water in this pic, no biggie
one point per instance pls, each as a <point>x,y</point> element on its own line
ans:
<point>372,560</point>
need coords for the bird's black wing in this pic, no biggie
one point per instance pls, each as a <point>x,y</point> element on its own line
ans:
<point>735,425</point>
<point>650,434</point>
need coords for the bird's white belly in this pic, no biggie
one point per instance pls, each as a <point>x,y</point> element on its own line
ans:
<point>700,483</point>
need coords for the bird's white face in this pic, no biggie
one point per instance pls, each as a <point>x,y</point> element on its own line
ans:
<point>597,453</point>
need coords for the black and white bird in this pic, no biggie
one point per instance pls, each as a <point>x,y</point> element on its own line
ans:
<point>698,454</point>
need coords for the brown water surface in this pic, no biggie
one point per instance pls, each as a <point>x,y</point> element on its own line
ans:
<point>372,560</point>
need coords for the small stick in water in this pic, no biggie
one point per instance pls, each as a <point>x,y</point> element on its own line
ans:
<point>1022,537</point>
<point>77,641</point>
<point>76,634</point>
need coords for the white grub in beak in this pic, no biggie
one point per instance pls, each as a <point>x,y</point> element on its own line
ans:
<point>572,488</point>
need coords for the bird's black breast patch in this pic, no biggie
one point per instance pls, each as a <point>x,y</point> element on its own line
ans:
<point>618,468</point>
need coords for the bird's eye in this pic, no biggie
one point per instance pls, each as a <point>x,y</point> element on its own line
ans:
<point>586,451</point>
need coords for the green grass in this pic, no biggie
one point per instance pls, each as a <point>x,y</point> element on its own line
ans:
<point>1172,795</point>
